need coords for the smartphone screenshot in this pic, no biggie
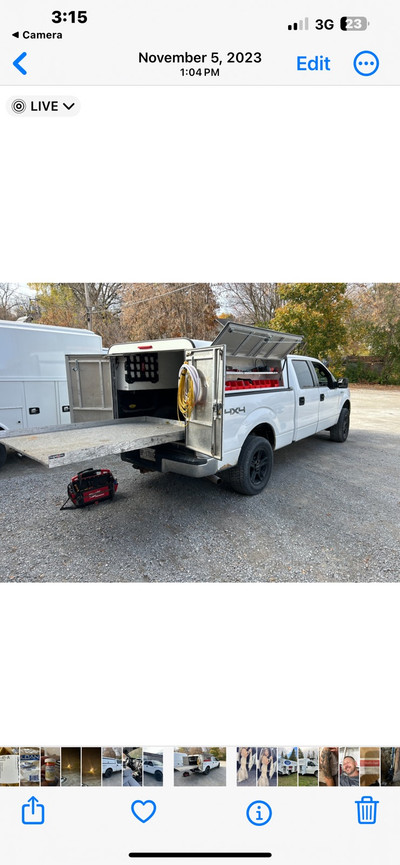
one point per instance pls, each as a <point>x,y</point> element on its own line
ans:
<point>199,432</point>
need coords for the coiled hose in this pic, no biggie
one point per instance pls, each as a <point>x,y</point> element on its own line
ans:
<point>189,390</point>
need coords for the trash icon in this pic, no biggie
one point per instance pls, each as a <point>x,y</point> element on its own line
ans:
<point>366,810</point>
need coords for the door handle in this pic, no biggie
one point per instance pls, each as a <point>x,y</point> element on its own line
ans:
<point>322,397</point>
<point>302,400</point>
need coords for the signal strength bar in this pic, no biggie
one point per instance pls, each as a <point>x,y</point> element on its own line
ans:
<point>299,25</point>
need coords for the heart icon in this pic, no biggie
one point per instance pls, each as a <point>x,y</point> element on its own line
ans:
<point>143,811</point>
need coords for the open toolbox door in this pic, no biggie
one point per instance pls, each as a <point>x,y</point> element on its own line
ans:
<point>204,430</point>
<point>90,387</point>
<point>244,340</point>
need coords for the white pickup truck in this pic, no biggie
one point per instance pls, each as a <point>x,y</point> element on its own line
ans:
<point>188,763</point>
<point>252,397</point>
<point>153,767</point>
<point>111,765</point>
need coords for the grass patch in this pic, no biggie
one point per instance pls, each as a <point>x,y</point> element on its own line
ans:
<point>308,781</point>
<point>287,780</point>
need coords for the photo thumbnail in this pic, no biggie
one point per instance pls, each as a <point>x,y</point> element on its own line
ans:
<point>329,767</point>
<point>349,767</point>
<point>246,771</point>
<point>133,766</point>
<point>390,767</point>
<point>71,767</point>
<point>91,767</point>
<point>308,767</point>
<point>200,767</point>
<point>29,767</point>
<point>370,767</point>
<point>267,767</point>
<point>9,767</point>
<point>50,768</point>
<point>287,766</point>
<point>111,767</point>
<point>153,766</point>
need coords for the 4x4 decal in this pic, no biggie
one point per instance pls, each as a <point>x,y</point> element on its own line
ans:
<point>235,410</point>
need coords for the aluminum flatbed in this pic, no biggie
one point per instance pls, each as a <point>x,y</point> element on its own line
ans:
<point>74,443</point>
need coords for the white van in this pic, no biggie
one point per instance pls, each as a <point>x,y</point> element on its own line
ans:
<point>308,767</point>
<point>33,378</point>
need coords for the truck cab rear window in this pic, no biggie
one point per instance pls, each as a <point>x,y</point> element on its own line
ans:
<point>303,373</point>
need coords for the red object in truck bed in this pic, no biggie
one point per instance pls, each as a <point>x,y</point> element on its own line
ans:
<point>249,384</point>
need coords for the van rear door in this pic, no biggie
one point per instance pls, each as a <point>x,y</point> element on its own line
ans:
<point>204,430</point>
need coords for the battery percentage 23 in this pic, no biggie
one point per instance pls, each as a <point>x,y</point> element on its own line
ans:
<point>354,23</point>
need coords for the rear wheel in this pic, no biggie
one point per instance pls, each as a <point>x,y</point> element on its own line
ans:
<point>206,770</point>
<point>340,431</point>
<point>108,772</point>
<point>158,775</point>
<point>253,470</point>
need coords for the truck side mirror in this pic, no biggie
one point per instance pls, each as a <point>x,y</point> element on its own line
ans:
<point>342,382</point>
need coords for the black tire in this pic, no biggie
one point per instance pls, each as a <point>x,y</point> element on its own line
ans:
<point>253,470</point>
<point>108,772</point>
<point>3,454</point>
<point>206,770</point>
<point>158,775</point>
<point>340,431</point>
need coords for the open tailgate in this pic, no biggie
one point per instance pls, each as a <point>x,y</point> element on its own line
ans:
<point>74,443</point>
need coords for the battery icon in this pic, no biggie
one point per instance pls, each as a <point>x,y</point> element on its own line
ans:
<point>354,23</point>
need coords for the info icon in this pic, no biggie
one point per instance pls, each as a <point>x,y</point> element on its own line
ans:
<point>259,812</point>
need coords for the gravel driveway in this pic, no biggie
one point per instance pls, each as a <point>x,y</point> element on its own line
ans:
<point>331,512</point>
<point>214,778</point>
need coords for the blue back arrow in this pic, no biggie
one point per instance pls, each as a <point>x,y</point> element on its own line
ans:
<point>17,62</point>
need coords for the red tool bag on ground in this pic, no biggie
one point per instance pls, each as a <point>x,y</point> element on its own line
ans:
<point>91,486</point>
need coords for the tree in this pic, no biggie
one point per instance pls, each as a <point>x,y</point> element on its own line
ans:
<point>9,300</point>
<point>375,326</point>
<point>318,311</point>
<point>65,304</point>
<point>253,302</point>
<point>157,310</point>
<point>383,327</point>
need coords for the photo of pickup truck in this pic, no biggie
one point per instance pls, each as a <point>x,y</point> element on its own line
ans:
<point>261,439</point>
<point>192,767</point>
<point>153,769</point>
<point>241,398</point>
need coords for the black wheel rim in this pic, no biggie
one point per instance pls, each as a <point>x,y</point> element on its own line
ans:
<point>259,467</point>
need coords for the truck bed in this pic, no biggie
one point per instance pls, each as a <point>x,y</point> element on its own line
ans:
<point>74,443</point>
